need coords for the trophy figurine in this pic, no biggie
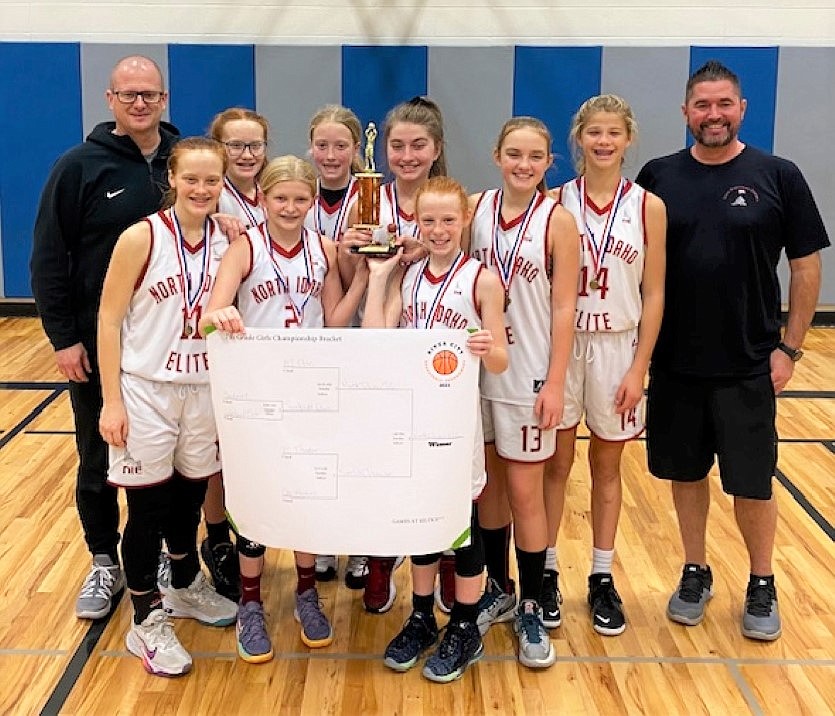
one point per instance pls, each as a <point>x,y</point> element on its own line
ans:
<point>368,204</point>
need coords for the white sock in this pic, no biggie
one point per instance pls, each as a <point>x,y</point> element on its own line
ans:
<point>551,559</point>
<point>601,560</point>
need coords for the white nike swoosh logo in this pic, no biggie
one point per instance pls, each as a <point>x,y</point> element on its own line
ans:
<point>605,620</point>
<point>111,194</point>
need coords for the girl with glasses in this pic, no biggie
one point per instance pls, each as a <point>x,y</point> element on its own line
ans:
<point>243,134</point>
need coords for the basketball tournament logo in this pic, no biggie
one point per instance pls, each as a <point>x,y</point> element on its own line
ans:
<point>444,361</point>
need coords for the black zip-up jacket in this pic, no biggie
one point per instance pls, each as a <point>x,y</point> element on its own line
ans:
<point>94,192</point>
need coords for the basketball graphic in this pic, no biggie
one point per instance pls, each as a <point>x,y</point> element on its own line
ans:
<point>445,362</point>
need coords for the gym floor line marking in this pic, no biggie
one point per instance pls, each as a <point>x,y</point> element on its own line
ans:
<point>574,659</point>
<point>69,678</point>
<point>36,411</point>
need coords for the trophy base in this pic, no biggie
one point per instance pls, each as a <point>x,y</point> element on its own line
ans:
<point>375,250</point>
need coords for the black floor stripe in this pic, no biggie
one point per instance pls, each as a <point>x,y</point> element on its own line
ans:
<point>807,394</point>
<point>34,414</point>
<point>807,506</point>
<point>79,660</point>
<point>830,445</point>
<point>32,385</point>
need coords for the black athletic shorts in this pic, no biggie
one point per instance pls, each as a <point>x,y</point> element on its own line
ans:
<point>689,420</point>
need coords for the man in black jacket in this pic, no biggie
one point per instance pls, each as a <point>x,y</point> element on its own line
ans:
<point>94,192</point>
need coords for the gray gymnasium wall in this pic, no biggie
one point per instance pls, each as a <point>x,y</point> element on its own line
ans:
<point>478,89</point>
<point>804,124</point>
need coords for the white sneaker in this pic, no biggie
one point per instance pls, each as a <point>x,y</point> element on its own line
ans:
<point>326,565</point>
<point>356,572</point>
<point>201,602</point>
<point>155,642</point>
<point>104,580</point>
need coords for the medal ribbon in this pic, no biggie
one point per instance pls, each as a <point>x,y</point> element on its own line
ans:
<point>340,214</point>
<point>505,267</point>
<point>191,299</point>
<point>599,251</point>
<point>459,261</point>
<point>298,311</point>
<point>242,200</point>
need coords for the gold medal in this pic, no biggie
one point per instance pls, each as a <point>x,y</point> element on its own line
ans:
<point>506,301</point>
<point>187,329</point>
<point>594,284</point>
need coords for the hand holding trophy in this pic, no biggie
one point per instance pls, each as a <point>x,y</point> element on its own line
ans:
<point>368,204</point>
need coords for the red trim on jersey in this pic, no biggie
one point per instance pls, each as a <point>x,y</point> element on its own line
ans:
<point>526,462</point>
<point>346,197</point>
<point>147,263</point>
<point>477,204</point>
<point>644,218</point>
<point>166,219</point>
<point>547,262</point>
<point>251,254</point>
<point>621,440</point>
<point>626,187</point>
<point>393,202</point>
<point>505,225</point>
<point>284,253</point>
<point>558,197</point>
<point>429,276</point>
<point>476,302</point>
<point>252,202</point>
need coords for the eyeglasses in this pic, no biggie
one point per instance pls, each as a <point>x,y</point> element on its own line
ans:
<point>129,96</point>
<point>235,148</point>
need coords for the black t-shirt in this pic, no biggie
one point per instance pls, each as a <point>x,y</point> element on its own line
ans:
<point>726,227</point>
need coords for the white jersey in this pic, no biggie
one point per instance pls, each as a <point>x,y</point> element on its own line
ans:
<point>447,301</point>
<point>233,202</point>
<point>391,213</point>
<point>611,268</point>
<point>522,247</point>
<point>283,289</point>
<point>332,221</point>
<point>160,340</point>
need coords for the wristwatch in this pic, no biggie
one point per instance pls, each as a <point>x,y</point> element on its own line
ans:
<point>794,353</point>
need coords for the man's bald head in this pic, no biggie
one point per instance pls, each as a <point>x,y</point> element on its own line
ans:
<point>132,65</point>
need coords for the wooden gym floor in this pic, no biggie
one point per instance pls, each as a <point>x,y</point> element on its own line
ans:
<point>51,662</point>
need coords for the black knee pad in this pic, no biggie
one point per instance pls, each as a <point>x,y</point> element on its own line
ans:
<point>248,548</point>
<point>469,560</point>
<point>424,560</point>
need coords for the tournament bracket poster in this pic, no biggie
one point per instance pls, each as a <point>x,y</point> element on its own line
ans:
<point>348,441</point>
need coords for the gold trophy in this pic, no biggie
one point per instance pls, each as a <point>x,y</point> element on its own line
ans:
<point>369,181</point>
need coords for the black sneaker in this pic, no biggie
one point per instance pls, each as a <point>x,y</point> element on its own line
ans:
<point>606,606</point>
<point>418,633</point>
<point>460,647</point>
<point>222,563</point>
<point>550,599</point>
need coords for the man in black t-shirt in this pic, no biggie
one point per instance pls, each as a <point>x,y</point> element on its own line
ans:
<point>720,360</point>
